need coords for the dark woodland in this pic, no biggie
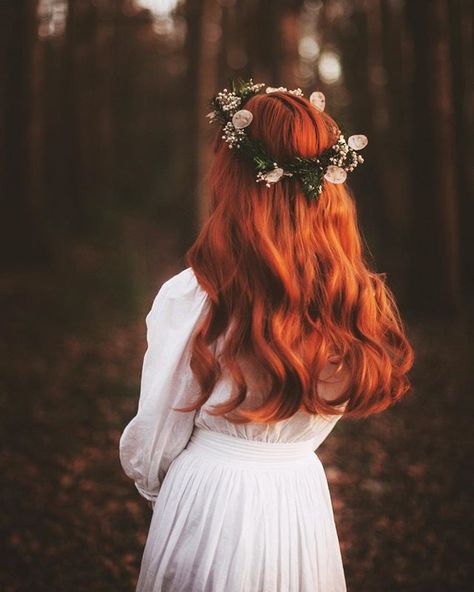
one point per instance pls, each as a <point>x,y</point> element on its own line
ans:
<point>104,149</point>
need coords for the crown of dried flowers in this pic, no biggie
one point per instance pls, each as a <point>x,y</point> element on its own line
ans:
<point>332,165</point>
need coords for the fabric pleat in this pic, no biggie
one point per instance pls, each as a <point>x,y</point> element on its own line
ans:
<point>236,515</point>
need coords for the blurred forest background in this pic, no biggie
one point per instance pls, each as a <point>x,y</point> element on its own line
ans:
<point>104,149</point>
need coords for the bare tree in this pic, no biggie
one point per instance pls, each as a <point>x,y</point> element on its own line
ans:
<point>23,221</point>
<point>435,252</point>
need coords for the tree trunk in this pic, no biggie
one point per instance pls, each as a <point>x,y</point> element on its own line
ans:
<point>462,41</point>
<point>208,81</point>
<point>189,208</point>
<point>435,257</point>
<point>22,235</point>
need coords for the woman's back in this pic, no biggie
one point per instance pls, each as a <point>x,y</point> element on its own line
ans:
<point>301,426</point>
<point>239,388</point>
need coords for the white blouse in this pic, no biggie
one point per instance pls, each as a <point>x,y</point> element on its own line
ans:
<point>157,434</point>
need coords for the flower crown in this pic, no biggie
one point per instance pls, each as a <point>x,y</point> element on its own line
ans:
<point>331,165</point>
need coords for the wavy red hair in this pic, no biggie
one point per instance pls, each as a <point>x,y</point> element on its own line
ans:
<point>288,284</point>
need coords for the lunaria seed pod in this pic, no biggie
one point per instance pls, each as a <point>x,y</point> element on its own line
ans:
<point>274,175</point>
<point>358,142</point>
<point>318,100</point>
<point>242,118</point>
<point>335,174</point>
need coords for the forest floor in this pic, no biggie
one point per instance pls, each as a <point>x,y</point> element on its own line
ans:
<point>401,481</point>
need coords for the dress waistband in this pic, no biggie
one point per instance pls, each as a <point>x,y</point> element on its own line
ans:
<point>229,448</point>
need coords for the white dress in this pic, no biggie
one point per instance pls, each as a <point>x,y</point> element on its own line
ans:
<point>236,508</point>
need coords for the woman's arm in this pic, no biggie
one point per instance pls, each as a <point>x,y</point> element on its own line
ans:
<point>157,433</point>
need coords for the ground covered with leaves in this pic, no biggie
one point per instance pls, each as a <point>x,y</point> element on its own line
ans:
<point>401,482</point>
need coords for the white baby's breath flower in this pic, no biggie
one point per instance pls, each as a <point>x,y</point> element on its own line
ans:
<point>271,89</point>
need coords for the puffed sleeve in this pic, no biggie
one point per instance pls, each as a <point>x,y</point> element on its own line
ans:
<point>157,433</point>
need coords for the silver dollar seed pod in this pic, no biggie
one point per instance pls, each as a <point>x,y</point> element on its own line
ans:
<point>358,142</point>
<point>242,118</point>
<point>274,176</point>
<point>318,100</point>
<point>335,174</point>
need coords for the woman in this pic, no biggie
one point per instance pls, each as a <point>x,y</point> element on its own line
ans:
<point>275,330</point>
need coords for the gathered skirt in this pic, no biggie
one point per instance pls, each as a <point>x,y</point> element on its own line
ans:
<point>238,515</point>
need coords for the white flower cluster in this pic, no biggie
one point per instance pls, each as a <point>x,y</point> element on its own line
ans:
<point>255,88</point>
<point>346,159</point>
<point>233,131</point>
<point>297,91</point>
<point>228,100</point>
<point>232,135</point>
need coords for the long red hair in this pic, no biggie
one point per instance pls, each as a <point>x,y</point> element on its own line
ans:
<point>288,284</point>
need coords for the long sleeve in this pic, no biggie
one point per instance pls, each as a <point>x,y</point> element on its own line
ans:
<point>157,433</point>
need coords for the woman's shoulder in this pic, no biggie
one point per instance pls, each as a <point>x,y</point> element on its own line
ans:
<point>183,284</point>
<point>180,297</point>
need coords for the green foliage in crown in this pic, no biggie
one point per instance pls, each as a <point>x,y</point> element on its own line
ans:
<point>332,165</point>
